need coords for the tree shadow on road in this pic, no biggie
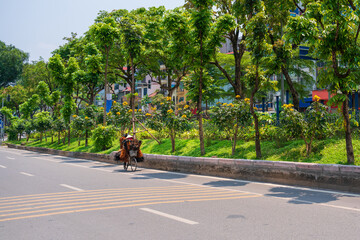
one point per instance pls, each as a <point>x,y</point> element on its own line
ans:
<point>166,176</point>
<point>225,183</point>
<point>32,154</point>
<point>105,166</point>
<point>74,161</point>
<point>301,196</point>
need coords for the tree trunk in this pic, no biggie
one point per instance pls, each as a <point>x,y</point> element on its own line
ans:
<point>69,137</point>
<point>349,146</point>
<point>256,120</point>
<point>172,136</point>
<point>257,137</point>
<point>41,136</point>
<point>293,91</point>
<point>234,142</point>
<point>238,52</point>
<point>86,138</point>
<point>308,148</point>
<point>79,139</point>
<point>64,139</point>
<point>59,133</point>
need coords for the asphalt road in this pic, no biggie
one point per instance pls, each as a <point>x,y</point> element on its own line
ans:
<point>52,197</point>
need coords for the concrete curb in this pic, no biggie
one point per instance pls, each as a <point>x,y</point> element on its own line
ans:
<point>329,176</point>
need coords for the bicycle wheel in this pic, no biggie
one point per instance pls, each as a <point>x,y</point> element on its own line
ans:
<point>126,165</point>
<point>133,164</point>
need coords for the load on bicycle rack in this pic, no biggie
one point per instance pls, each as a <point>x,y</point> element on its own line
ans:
<point>129,152</point>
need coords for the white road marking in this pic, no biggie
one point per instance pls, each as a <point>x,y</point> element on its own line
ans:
<point>27,174</point>
<point>11,158</point>
<point>71,187</point>
<point>1,166</point>
<point>169,216</point>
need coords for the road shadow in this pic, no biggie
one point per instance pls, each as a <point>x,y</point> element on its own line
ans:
<point>236,216</point>
<point>62,158</point>
<point>140,178</point>
<point>32,154</point>
<point>74,161</point>
<point>166,176</point>
<point>225,183</point>
<point>105,166</point>
<point>301,196</point>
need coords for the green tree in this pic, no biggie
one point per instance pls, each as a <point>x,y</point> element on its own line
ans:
<point>42,123</point>
<point>121,116</point>
<point>66,77</point>
<point>77,124</point>
<point>19,125</point>
<point>103,137</point>
<point>11,63</point>
<point>8,113</point>
<point>306,126</point>
<point>105,32</point>
<point>90,75</point>
<point>59,125</point>
<point>331,29</point>
<point>230,117</point>
<point>285,59</point>
<point>242,11</point>
<point>14,96</point>
<point>201,20</point>
<point>165,118</point>
<point>29,128</point>
<point>132,38</point>
<point>89,121</point>
<point>29,107</point>
<point>167,47</point>
<point>43,91</point>
<point>35,72</point>
<point>256,43</point>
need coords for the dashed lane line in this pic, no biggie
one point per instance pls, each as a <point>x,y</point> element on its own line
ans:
<point>27,174</point>
<point>1,166</point>
<point>180,219</point>
<point>71,187</point>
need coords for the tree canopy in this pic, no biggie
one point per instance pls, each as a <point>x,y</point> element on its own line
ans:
<point>12,61</point>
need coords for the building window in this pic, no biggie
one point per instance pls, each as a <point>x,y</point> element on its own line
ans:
<point>145,91</point>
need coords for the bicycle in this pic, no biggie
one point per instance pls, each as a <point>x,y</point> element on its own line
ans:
<point>132,162</point>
